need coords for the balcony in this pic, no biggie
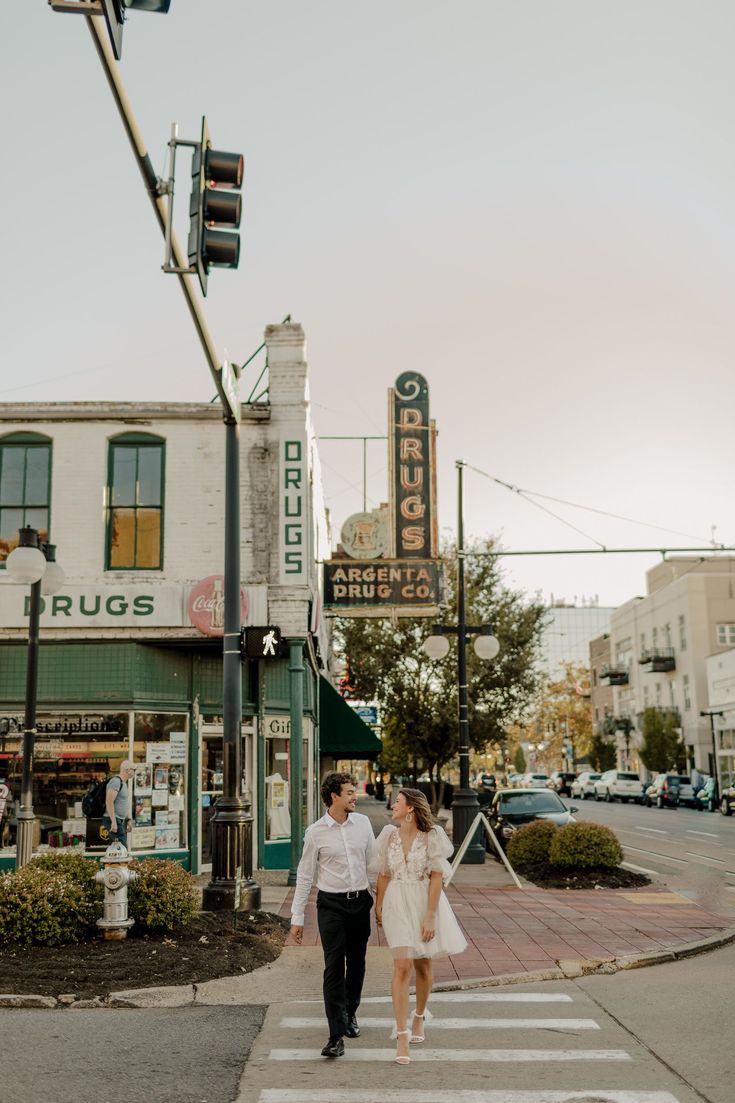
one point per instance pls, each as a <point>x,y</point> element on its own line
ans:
<point>614,675</point>
<point>658,660</point>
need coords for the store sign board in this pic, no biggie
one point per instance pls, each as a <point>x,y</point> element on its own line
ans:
<point>48,748</point>
<point>85,724</point>
<point>414,585</point>
<point>293,509</point>
<point>367,713</point>
<point>411,436</point>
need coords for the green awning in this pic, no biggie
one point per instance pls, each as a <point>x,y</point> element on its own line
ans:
<point>342,733</point>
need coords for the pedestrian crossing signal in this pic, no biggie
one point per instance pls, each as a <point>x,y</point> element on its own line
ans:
<point>260,643</point>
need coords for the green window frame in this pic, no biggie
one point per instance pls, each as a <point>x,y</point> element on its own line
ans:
<point>25,488</point>
<point>135,502</point>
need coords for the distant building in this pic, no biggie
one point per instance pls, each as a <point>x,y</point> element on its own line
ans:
<point>568,630</point>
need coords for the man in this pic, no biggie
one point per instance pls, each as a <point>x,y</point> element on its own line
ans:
<point>115,817</point>
<point>337,850</point>
<point>4,796</point>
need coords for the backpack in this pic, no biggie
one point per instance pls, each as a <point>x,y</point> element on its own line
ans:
<point>94,800</point>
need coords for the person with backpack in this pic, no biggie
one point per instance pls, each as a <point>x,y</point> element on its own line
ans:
<point>116,817</point>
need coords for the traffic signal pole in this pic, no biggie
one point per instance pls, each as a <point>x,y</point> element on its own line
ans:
<point>231,885</point>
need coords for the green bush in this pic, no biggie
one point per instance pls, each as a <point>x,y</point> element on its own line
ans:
<point>585,844</point>
<point>80,870</point>
<point>46,905</point>
<point>163,897</point>
<point>531,843</point>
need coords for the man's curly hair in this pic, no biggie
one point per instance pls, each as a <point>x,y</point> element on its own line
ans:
<point>332,783</point>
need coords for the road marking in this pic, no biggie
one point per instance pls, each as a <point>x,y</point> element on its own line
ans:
<point>655,854</point>
<point>705,857</point>
<point>658,830</point>
<point>461,1024</point>
<point>429,1095</point>
<point>453,1056</point>
<point>475,996</point>
<point>709,834</point>
<point>640,869</point>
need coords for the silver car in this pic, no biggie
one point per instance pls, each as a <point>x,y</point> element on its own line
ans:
<point>583,786</point>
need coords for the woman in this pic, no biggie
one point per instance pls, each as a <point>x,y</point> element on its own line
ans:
<point>410,905</point>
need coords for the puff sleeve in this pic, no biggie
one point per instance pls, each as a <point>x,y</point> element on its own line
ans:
<point>379,861</point>
<point>438,850</point>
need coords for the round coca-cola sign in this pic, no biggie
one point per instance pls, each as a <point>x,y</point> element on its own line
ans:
<point>207,605</point>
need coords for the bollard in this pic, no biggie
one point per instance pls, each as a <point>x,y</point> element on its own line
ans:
<point>116,876</point>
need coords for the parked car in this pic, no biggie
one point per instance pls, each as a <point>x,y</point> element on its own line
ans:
<point>513,780</point>
<point>706,798</point>
<point>561,782</point>
<point>534,781</point>
<point>584,785</point>
<point>669,791</point>
<point>513,808</point>
<point>618,785</point>
<point>727,800</point>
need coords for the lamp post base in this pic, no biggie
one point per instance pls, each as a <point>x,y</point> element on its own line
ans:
<point>231,887</point>
<point>465,807</point>
<point>24,838</point>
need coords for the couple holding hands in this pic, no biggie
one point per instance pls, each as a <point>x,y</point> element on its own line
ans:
<point>410,860</point>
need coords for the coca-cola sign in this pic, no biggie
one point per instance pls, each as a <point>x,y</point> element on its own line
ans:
<point>207,605</point>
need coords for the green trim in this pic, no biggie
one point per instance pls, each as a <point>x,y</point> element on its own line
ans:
<point>134,441</point>
<point>342,733</point>
<point>25,438</point>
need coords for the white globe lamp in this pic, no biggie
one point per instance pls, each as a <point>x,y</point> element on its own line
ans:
<point>436,647</point>
<point>53,578</point>
<point>486,647</point>
<point>25,565</point>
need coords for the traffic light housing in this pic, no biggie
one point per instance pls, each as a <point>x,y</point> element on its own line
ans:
<point>215,201</point>
<point>114,12</point>
<point>260,643</point>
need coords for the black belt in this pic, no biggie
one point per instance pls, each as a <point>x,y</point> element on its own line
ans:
<point>353,895</point>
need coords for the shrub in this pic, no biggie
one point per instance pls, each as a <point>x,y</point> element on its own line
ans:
<point>80,870</point>
<point>531,843</point>
<point>585,844</point>
<point>163,897</point>
<point>46,906</point>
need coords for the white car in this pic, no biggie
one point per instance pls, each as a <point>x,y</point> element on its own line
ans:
<point>618,785</point>
<point>584,785</point>
<point>534,781</point>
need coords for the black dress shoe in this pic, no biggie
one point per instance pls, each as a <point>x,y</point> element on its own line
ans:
<point>335,1047</point>
<point>352,1030</point>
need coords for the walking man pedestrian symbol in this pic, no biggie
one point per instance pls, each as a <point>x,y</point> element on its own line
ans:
<point>269,643</point>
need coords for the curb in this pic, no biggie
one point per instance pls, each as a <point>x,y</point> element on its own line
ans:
<point>185,995</point>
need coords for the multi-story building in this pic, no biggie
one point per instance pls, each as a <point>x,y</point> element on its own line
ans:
<point>601,696</point>
<point>567,632</point>
<point>132,495</point>
<point>660,644</point>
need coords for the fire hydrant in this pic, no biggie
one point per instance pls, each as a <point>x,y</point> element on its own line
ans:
<point>116,876</point>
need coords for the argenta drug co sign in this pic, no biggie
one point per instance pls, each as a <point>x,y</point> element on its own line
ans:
<point>387,559</point>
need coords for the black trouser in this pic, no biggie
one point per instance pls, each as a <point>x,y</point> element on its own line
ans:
<point>344,928</point>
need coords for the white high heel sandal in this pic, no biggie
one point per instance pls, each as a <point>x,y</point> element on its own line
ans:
<point>425,1017</point>
<point>400,1059</point>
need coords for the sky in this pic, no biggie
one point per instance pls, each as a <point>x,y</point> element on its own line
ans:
<point>533,204</point>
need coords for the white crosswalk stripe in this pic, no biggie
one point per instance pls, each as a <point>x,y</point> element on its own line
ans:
<point>459,1055</point>
<point>427,1095</point>
<point>474,996</point>
<point>438,1023</point>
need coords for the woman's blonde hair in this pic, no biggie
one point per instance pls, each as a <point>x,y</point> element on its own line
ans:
<point>420,807</point>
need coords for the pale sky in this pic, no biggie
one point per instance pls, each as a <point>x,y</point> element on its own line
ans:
<point>532,203</point>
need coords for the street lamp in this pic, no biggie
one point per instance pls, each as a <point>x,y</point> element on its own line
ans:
<point>715,765</point>
<point>32,563</point>
<point>465,805</point>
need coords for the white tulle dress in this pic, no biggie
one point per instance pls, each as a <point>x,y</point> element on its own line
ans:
<point>407,894</point>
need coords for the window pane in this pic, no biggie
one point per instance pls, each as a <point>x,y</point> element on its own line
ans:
<point>37,519</point>
<point>123,476</point>
<point>122,538</point>
<point>149,538</point>
<point>12,464</point>
<point>149,476</point>
<point>10,521</point>
<point>37,465</point>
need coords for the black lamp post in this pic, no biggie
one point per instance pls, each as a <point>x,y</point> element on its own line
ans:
<point>715,766</point>
<point>465,805</point>
<point>32,562</point>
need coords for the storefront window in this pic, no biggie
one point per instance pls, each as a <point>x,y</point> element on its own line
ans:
<point>277,792</point>
<point>160,753</point>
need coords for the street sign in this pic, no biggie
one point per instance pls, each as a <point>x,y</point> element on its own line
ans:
<point>231,388</point>
<point>367,713</point>
<point>260,643</point>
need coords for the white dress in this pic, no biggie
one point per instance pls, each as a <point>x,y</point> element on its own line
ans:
<point>407,893</point>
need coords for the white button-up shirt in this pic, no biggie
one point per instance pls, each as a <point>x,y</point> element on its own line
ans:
<point>336,856</point>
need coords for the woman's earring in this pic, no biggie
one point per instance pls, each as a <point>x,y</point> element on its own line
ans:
<point>409,816</point>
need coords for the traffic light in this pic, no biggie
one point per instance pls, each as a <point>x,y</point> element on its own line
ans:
<point>114,11</point>
<point>215,201</point>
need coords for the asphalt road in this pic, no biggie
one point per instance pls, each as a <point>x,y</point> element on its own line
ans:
<point>689,848</point>
<point>184,1055</point>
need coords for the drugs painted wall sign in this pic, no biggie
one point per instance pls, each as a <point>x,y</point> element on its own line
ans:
<point>412,468</point>
<point>293,525</point>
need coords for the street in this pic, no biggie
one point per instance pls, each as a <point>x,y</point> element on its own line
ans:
<point>695,851</point>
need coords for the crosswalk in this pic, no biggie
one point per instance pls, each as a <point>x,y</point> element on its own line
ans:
<point>547,1057</point>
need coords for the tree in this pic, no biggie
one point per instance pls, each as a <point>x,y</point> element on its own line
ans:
<point>418,696</point>
<point>519,760</point>
<point>662,748</point>
<point>602,752</point>
<point>562,715</point>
